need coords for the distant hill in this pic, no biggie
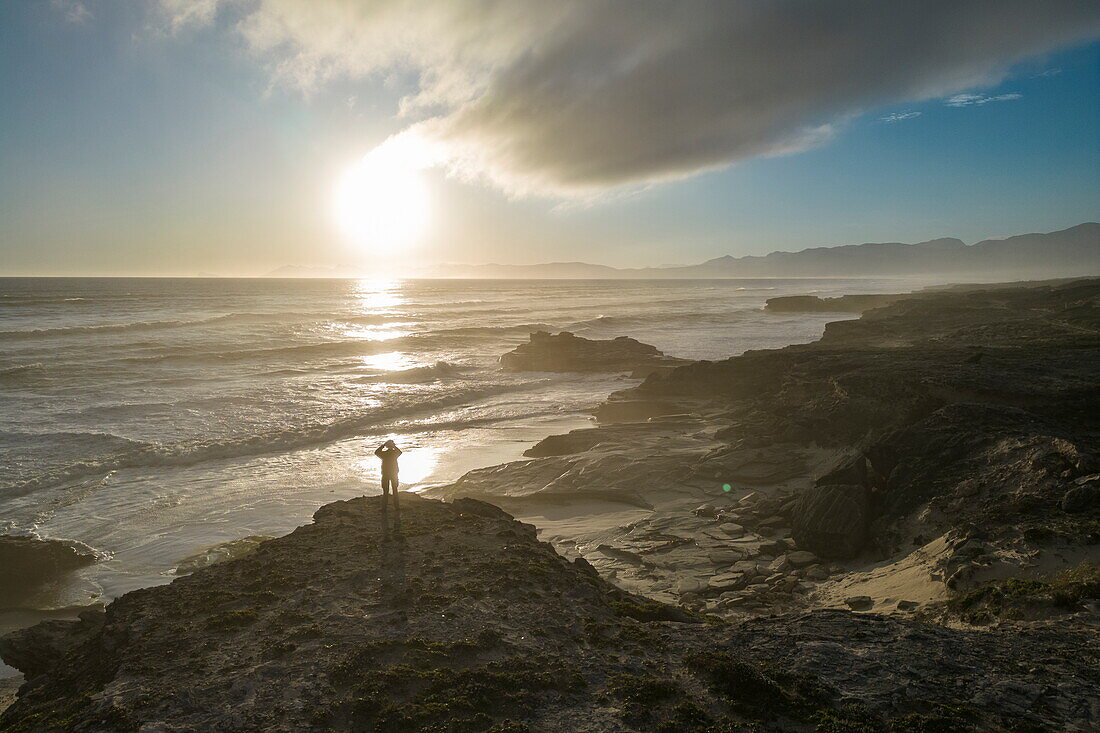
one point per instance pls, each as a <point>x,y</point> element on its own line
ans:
<point>304,271</point>
<point>1066,253</point>
<point>567,270</point>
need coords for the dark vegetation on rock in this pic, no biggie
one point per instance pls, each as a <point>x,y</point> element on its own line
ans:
<point>469,623</point>
<point>1016,598</point>
<point>565,352</point>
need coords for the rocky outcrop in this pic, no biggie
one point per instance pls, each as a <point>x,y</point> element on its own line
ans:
<point>832,520</point>
<point>584,439</point>
<point>468,622</point>
<point>565,352</point>
<point>945,439</point>
<point>219,552</point>
<point>628,410</point>
<point>26,563</point>
<point>36,650</point>
<point>840,304</point>
<point>979,404</point>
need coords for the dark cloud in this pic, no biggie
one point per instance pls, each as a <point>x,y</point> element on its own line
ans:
<point>574,96</point>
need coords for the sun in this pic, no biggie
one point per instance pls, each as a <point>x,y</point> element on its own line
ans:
<point>382,201</point>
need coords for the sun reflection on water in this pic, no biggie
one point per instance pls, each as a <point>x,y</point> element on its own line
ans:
<point>377,333</point>
<point>390,361</point>
<point>377,295</point>
<point>417,462</point>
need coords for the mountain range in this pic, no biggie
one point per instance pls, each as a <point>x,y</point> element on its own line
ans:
<point>1066,253</point>
<point>1069,252</point>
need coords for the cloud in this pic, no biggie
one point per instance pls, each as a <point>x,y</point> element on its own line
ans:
<point>970,100</point>
<point>73,11</point>
<point>899,116</point>
<point>173,16</point>
<point>579,96</point>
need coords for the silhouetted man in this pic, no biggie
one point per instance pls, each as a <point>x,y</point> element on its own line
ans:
<point>389,453</point>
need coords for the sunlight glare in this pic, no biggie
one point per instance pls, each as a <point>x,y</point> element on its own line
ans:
<point>390,361</point>
<point>417,463</point>
<point>382,201</point>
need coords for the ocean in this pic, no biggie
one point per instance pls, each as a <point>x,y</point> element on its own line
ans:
<point>152,417</point>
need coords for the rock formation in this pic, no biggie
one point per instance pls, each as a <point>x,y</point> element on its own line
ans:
<point>27,563</point>
<point>468,622</point>
<point>820,506</point>
<point>565,352</point>
<point>841,304</point>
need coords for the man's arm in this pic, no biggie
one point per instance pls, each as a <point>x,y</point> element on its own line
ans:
<point>380,450</point>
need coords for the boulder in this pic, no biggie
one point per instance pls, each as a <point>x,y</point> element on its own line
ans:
<point>801,558</point>
<point>1081,499</point>
<point>832,521</point>
<point>565,352</point>
<point>816,572</point>
<point>774,547</point>
<point>732,529</point>
<point>725,555</point>
<point>691,586</point>
<point>727,581</point>
<point>859,603</point>
<point>27,562</point>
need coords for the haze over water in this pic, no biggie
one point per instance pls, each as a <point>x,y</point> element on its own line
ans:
<point>152,417</point>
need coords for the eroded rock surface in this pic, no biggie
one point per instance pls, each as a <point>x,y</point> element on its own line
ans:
<point>468,622</point>
<point>956,419</point>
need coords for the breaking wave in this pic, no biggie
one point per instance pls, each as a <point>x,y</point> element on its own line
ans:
<point>117,453</point>
<point>19,370</point>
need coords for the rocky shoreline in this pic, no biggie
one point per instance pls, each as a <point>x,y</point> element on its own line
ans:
<point>896,527</point>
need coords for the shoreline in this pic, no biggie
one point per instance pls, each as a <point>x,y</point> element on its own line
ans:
<point>826,517</point>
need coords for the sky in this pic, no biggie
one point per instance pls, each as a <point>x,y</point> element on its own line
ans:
<point>180,137</point>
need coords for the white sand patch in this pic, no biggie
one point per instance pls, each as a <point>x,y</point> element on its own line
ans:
<point>886,583</point>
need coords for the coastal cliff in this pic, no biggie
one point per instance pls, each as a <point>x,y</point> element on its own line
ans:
<point>894,528</point>
<point>467,622</point>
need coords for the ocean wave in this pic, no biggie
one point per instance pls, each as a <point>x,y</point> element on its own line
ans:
<point>125,453</point>
<point>523,328</point>
<point>350,348</point>
<point>19,370</point>
<point>658,319</point>
<point>56,443</point>
<point>416,375</point>
<point>98,329</point>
